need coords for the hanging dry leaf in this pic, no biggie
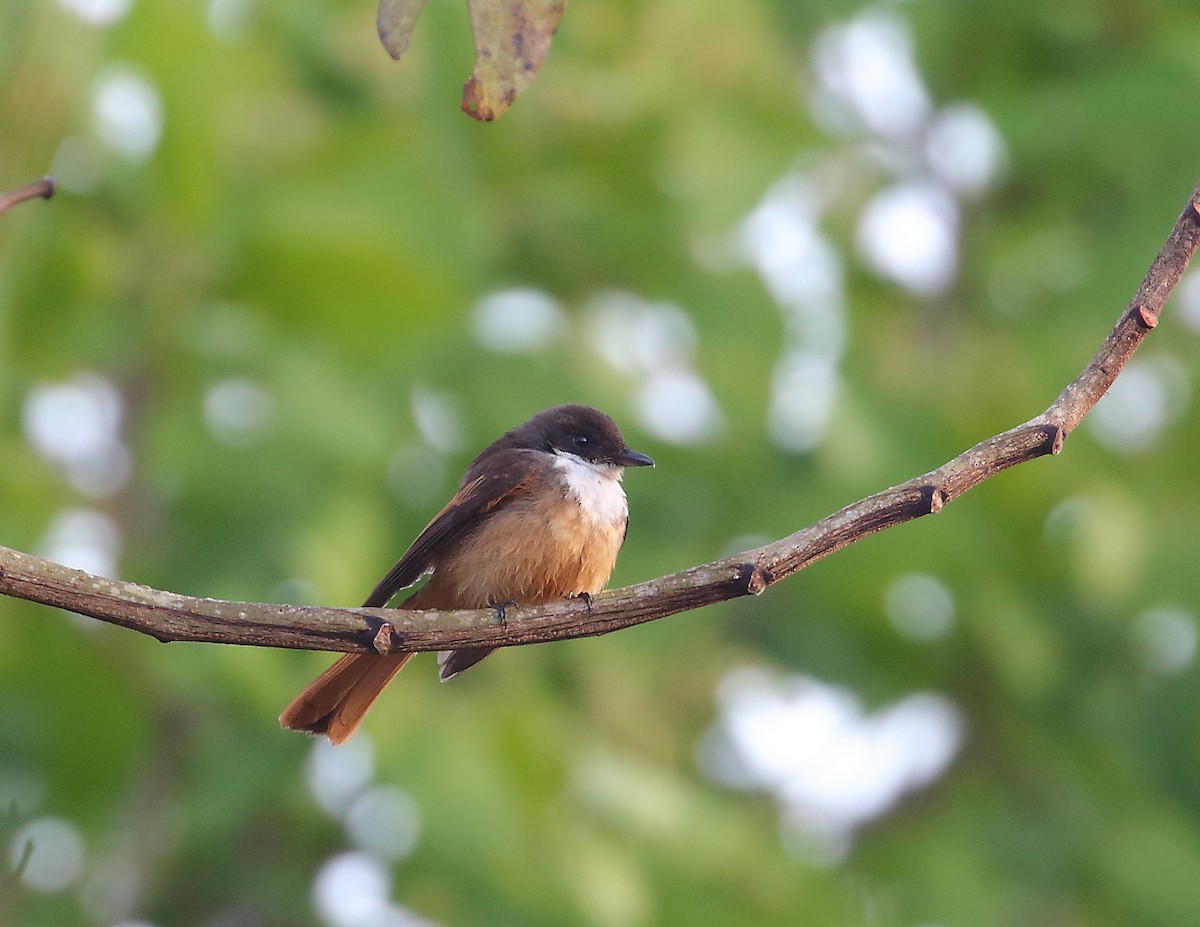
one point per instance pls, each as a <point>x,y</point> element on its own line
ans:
<point>512,38</point>
<point>395,24</point>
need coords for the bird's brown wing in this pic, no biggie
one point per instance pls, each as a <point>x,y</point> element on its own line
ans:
<point>335,703</point>
<point>485,488</point>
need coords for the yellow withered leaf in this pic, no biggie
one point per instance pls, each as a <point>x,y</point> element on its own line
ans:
<point>512,38</point>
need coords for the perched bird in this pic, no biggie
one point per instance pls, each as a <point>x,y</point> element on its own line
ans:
<point>540,515</point>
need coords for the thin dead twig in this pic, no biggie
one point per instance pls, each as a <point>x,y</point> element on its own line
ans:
<point>43,188</point>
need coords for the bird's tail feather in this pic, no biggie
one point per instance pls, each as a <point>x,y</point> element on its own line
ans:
<point>335,703</point>
<point>453,662</point>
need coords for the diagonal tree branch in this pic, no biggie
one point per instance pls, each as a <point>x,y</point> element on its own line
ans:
<point>171,617</point>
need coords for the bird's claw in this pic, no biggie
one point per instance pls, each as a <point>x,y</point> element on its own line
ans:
<point>501,610</point>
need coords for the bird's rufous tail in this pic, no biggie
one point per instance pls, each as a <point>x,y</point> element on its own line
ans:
<point>335,703</point>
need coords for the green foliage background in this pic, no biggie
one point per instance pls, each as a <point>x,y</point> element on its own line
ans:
<point>320,222</point>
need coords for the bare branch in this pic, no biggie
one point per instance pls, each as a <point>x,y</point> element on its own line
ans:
<point>43,188</point>
<point>171,617</point>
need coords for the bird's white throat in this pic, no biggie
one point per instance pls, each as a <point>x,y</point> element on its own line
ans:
<point>595,486</point>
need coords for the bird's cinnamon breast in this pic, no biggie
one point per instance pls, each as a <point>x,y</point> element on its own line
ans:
<point>533,551</point>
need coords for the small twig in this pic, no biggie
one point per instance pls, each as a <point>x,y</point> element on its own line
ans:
<point>43,188</point>
<point>171,617</point>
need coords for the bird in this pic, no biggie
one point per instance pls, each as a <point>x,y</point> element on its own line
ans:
<point>539,515</point>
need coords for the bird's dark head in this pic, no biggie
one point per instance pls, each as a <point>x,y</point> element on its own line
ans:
<point>581,431</point>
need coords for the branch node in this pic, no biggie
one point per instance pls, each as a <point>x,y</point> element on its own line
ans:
<point>386,638</point>
<point>1058,437</point>
<point>753,579</point>
<point>933,498</point>
<point>1146,316</point>
<point>1196,207</point>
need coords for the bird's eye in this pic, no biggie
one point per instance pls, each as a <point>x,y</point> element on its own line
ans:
<point>580,441</point>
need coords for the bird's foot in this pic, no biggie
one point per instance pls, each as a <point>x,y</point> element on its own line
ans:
<point>501,610</point>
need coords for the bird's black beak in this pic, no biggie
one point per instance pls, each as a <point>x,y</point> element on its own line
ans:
<point>628,458</point>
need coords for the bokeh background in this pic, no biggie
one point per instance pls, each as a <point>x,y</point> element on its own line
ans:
<point>801,251</point>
